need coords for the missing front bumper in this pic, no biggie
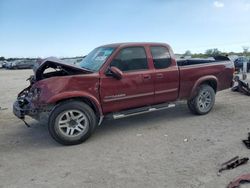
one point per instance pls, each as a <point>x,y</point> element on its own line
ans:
<point>23,107</point>
<point>40,114</point>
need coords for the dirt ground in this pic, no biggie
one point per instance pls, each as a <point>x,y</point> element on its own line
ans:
<point>142,151</point>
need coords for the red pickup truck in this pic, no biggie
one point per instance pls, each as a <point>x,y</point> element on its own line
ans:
<point>116,81</point>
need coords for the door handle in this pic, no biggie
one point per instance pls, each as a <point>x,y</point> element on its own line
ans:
<point>159,75</point>
<point>147,77</point>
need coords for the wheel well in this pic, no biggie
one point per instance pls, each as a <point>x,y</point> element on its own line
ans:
<point>211,83</point>
<point>85,100</point>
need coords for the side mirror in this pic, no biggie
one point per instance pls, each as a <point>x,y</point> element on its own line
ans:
<point>116,73</point>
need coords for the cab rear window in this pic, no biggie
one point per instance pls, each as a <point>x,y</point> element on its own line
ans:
<point>161,57</point>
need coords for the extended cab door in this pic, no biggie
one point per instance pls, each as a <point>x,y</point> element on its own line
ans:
<point>166,76</point>
<point>135,88</point>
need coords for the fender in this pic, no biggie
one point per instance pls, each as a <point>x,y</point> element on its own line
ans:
<point>75,94</point>
<point>200,81</point>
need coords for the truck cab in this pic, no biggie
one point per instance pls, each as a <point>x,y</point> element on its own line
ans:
<point>149,73</point>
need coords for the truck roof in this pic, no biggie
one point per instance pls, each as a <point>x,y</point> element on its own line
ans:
<point>125,44</point>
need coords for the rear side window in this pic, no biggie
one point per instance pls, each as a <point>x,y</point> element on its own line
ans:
<point>131,59</point>
<point>161,57</point>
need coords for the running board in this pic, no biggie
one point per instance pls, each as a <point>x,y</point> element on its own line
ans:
<point>138,111</point>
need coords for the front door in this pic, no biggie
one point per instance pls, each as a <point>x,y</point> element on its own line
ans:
<point>135,89</point>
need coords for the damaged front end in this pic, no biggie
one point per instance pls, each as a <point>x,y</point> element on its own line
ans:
<point>28,100</point>
<point>27,104</point>
<point>22,105</point>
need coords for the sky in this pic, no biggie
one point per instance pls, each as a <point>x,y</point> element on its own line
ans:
<point>65,28</point>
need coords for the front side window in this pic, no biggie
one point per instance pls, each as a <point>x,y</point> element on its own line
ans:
<point>95,59</point>
<point>161,57</point>
<point>131,59</point>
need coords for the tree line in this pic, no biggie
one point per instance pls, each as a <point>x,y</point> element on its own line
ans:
<point>215,52</point>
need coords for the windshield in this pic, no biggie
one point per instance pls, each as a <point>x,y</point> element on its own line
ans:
<point>96,58</point>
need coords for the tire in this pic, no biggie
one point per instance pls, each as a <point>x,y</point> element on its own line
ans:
<point>72,122</point>
<point>203,102</point>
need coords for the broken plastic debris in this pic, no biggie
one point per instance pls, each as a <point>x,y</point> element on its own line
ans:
<point>241,179</point>
<point>242,87</point>
<point>233,163</point>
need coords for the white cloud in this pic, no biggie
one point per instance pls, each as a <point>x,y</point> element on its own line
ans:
<point>218,4</point>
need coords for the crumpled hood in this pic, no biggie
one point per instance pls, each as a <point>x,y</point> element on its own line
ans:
<point>65,69</point>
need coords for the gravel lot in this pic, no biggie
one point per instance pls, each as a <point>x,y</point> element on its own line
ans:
<point>141,151</point>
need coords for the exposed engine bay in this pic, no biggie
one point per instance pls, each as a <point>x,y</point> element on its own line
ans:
<point>51,67</point>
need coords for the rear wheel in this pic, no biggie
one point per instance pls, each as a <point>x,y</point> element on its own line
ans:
<point>72,122</point>
<point>203,102</point>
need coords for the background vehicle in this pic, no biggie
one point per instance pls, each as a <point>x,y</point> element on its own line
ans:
<point>1,64</point>
<point>116,81</point>
<point>22,64</point>
<point>4,64</point>
<point>238,63</point>
<point>8,65</point>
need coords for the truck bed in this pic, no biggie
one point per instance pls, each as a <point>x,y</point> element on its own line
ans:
<point>195,61</point>
<point>193,70</point>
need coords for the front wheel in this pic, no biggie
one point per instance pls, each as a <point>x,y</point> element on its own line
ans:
<point>72,122</point>
<point>203,102</point>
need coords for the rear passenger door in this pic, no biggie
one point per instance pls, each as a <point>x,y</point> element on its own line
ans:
<point>166,76</point>
<point>136,87</point>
